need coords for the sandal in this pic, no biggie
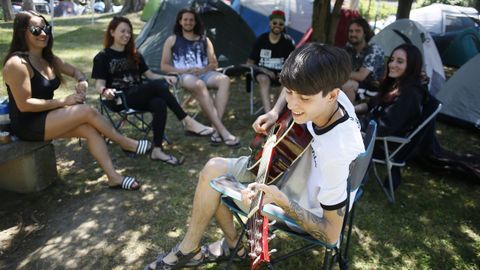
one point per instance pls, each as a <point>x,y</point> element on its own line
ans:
<point>171,160</point>
<point>143,147</point>
<point>225,253</point>
<point>128,183</point>
<point>204,132</point>
<point>183,260</point>
<point>216,139</point>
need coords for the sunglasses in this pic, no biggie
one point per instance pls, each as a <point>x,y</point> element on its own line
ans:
<point>37,30</point>
<point>278,23</point>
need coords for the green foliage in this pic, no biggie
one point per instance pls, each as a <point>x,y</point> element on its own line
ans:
<point>464,3</point>
<point>369,9</point>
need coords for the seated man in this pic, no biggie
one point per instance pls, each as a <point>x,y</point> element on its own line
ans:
<point>190,54</point>
<point>312,76</point>
<point>269,52</point>
<point>367,59</point>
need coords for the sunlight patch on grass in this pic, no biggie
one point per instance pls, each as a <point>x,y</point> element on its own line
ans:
<point>175,233</point>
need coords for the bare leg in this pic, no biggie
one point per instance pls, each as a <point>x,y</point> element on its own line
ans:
<point>350,89</point>
<point>199,89</point>
<point>205,206</point>
<point>63,120</point>
<point>98,149</point>
<point>264,84</point>
<point>222,83</point>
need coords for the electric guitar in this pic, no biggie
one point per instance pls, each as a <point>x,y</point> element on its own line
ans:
<point>293,140</point>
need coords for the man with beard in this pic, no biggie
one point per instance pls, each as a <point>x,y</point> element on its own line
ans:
<point>190,54</point>
<point>367,59</point>
<point>269,52</point>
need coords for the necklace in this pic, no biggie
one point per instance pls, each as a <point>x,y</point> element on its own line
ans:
<point>329,119</point>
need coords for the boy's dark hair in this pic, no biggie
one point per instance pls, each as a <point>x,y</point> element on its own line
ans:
<point>314,68</point>
<point>367,31</point>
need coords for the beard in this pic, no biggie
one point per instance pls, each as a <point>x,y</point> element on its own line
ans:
<point>355,41</point>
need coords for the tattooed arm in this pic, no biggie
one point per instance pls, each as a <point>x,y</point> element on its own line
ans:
<point>326,228</point>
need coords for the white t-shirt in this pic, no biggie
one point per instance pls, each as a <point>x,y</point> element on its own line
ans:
<point>332,150</point>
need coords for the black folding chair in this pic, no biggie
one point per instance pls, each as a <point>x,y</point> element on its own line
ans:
<point>333,253</point>
<point>398,149</point>
<point>118,113</point>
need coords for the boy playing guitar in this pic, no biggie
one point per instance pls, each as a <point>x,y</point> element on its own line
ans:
<point>311,78</point>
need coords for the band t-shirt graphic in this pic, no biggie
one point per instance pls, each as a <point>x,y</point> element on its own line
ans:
<point>272,56</point>
<point>189,54</point>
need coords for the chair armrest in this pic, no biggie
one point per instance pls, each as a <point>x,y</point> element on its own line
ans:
<point>393,139</point>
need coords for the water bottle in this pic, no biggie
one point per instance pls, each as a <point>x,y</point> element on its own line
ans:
<point>4,116</point>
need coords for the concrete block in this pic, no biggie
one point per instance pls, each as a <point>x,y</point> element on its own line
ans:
<point>27,166</point>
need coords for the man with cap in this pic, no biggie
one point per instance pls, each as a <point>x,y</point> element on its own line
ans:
<point>268,54</point>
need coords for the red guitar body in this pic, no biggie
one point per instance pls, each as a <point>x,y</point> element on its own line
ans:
<point>293,140</point>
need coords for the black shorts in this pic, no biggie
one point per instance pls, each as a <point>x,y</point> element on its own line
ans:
<point>30,126</point>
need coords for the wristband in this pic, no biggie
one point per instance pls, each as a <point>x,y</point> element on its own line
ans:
<point>82,80</point>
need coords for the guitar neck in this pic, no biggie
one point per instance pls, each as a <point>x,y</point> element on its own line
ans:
<point>262,174</point>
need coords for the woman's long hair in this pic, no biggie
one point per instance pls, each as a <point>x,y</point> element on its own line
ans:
<point>130,49</point>
<point>19,44</point>
<point>198,29</point>
<point>412,73</point>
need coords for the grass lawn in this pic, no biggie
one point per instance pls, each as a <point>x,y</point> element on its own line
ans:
<point>79,224</point>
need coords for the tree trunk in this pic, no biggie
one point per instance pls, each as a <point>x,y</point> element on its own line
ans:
<point>320,16</point>
<point>108,5</point>
<point>334,19</point>
<point>7,10</point>
<point>324,23</point>
<point>403,10</point>
<point>130,6</point>
<point>28,5</point>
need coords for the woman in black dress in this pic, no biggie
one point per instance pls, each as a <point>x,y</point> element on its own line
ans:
<point>32,73</point>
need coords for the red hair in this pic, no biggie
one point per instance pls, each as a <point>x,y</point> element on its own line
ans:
<point>130,47</point>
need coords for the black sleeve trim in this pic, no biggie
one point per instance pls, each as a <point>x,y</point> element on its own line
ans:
<point>334,207</point>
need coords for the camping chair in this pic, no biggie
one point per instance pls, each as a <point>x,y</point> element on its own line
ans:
<point>333,253</point>
<point>397,150</point>
<point>118,113</point>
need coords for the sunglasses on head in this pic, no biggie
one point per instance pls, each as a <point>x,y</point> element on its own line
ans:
<point>37,30</point>
<point>278,23</point>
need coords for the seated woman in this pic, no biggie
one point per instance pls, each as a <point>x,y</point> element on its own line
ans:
<point>398,107</point>
<point>120,67</point>
<point>32,73</point>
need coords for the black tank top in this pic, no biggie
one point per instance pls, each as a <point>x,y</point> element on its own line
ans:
<point>41,88</point>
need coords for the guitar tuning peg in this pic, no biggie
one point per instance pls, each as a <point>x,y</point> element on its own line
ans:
<point>272,223</point>
<point>271,237</point>
<point>273,251</point>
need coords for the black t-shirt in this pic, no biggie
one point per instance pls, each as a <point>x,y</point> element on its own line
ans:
<point>272,56</point>
<point>119,73</point>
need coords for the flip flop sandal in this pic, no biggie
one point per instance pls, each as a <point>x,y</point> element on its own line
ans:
<point>225,253</point>
<point>128,183</point>
<point>215,139</point>
<point>171,160</point>
<point>143,147</point>
<point>232,142</point>
<point>183,260</point>
<point>201,133</point>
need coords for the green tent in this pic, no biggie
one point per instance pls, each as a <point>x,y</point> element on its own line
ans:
<point>150,8</point>
<point>463,48</point>
<point>232,38</point>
